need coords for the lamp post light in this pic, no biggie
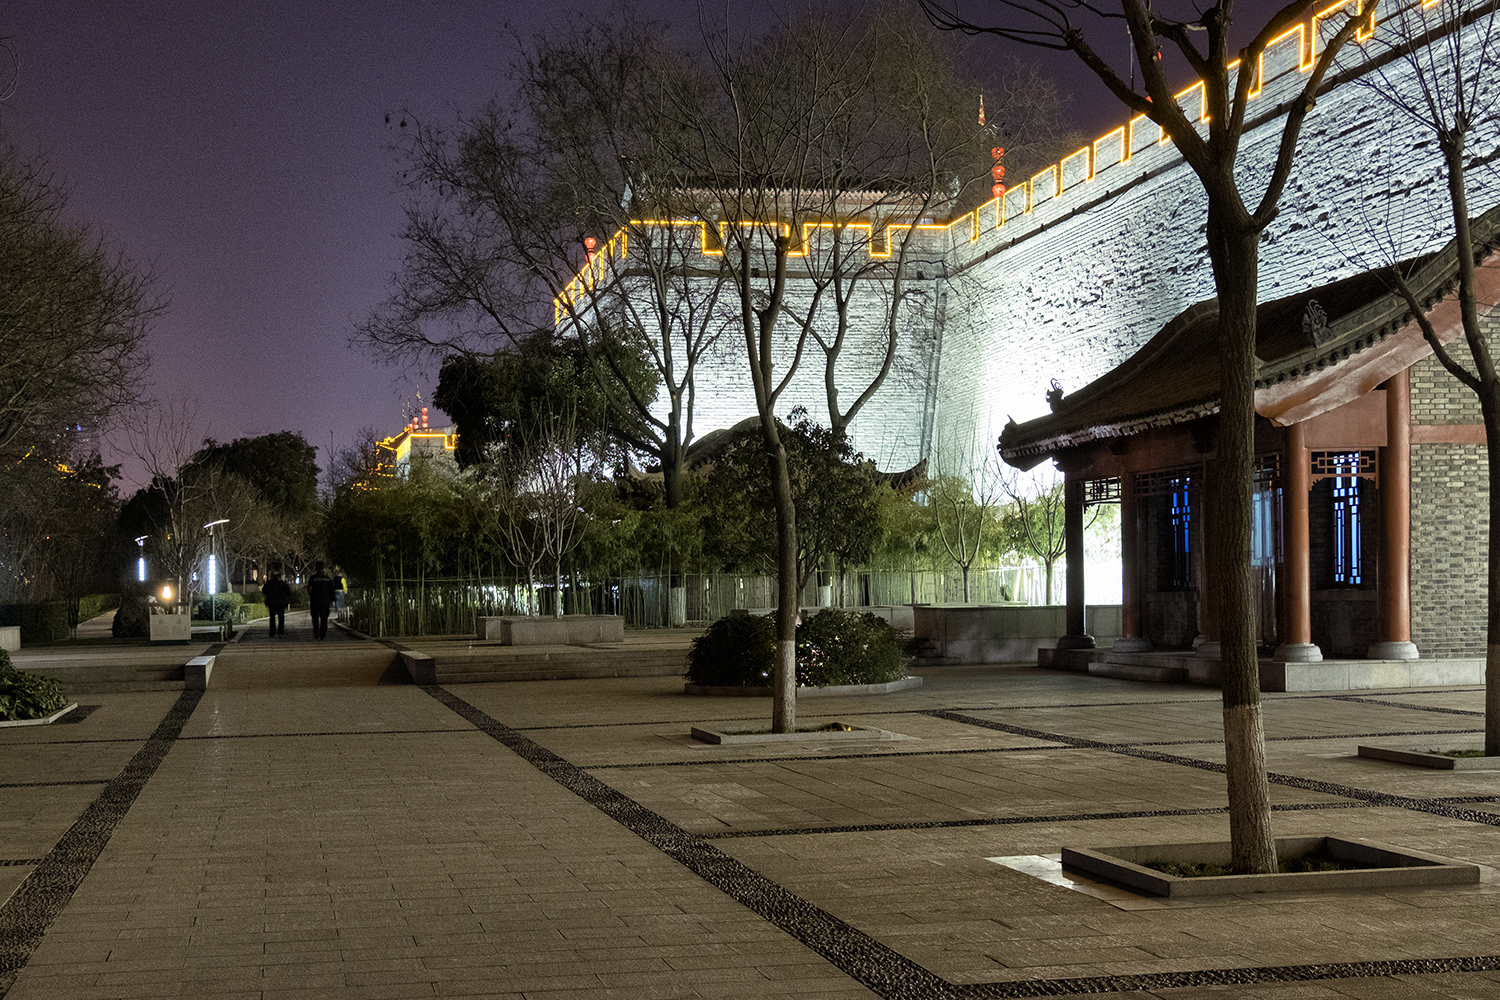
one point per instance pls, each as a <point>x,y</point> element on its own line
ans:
<point>213,579</point>
<point>140,562</point>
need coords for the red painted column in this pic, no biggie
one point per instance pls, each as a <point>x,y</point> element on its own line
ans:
<point>1132,634</point>
<point>1296,485</point>
<point>1393,573</point>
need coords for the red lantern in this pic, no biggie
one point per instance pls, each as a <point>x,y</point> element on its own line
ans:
<point>998,171</point>
<point>999,190</point>
<point>997,152</point>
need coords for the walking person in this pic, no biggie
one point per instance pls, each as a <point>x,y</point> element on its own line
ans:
<point>278,595</point>
<point>320,593</point>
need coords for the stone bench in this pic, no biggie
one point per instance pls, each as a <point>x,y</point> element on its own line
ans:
<point>570,630</point>
<point>195,673</point>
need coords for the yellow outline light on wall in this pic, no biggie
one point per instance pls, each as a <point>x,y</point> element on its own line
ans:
<point>1088,166</point>
<point>1124,149</point>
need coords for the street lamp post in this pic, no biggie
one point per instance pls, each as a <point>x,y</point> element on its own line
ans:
<point>140,562</point>
<point>213,579</point>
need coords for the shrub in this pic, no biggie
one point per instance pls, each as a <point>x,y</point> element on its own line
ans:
<point>26,696</point>
<point>848,647</point>
<point>133,619</point>
<point>300,600</point>
<point>219,607</point>
<point>251,612</point>
<point>254,596</point>
<point>833,647</point>
<point>735,651</point>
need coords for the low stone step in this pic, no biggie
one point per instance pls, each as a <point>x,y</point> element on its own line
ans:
<point>1139,672</point>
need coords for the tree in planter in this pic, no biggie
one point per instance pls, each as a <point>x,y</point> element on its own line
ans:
<point>1436,66</point>
<point>1236,221</point>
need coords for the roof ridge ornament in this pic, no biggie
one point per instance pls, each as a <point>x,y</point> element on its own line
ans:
<point>1315,323</point>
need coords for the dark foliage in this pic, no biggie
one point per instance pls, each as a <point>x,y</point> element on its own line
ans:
<point>25,695</point>
<point>834,647</point>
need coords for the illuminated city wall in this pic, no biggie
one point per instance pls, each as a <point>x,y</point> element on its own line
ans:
<point>1071,272</point>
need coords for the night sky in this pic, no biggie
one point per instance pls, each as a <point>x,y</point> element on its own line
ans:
<point>240,152</point>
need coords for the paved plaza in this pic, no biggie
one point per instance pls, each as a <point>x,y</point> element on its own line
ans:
<point>313,825</point>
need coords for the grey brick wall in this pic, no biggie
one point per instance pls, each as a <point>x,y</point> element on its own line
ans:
<point>1450,536</point>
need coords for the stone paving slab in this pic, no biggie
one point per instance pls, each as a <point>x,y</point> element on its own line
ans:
<point>310,826</point>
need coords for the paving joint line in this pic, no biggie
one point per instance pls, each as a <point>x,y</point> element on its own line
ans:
<point>43,894</point>
<point>864,958</point>
<point>951,824</point>
<point>1431,806</point>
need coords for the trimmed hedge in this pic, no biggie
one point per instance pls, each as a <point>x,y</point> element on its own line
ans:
<point>251,612</point>
<point>26,696</point>
<point>220,607</point>
<point>47,621</point>
<point>834,647</point>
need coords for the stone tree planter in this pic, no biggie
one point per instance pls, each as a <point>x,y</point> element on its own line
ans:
<point>1387,866</point>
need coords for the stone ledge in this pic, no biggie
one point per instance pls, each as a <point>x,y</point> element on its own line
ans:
<point>1436,761</point>
<point>1396,867</point>
<point>903,684</point>
<point>866,733</point>
<point>45,720</point>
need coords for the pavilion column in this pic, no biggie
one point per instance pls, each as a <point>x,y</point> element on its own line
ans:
<point>1132,635</point>
<point>1077,636</point>
<point>1393,570</point>
<point>1297,645</point>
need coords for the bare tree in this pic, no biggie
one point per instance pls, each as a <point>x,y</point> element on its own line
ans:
<point>819,155</point>
<point>1436,64</point>
<point>1236,220</point>
<point>538,211</point>
<point>73,316</point>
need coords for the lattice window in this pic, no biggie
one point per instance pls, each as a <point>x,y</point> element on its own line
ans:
<point>1165,481</point>
<point>1343,463</point>
<point>1101,491</point>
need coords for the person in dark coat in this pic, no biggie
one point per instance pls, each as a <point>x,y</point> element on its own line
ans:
<point>278,595</point>
<point>320,594</point>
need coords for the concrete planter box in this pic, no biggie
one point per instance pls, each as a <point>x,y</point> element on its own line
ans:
<point>721,738</point>
<point>1393,866</point>
<point>903,684</point>
<point>45,720</point>
<point>570,630</point>
<point>10,638</point>
<point>171,629</point>
<point>1436,761</point>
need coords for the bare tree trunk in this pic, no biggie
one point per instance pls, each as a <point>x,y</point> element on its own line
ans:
<point>1491,410</point>
<point>1234,246</point>
<point>788,600</point>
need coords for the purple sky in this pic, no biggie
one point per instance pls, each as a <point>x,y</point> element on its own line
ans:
<point>239,151</point>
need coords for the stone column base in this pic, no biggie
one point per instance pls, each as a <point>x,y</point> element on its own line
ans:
<point>1392,651</point>
<point>1298,652</point>
<point>1075,642</point>
<point>1209,650</point>
<point>1132,645</point>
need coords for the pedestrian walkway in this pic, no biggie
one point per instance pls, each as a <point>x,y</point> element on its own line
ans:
<point>312,827</point>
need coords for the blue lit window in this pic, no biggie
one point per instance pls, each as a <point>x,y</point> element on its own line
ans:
<point>1180,508</point>
<point>1348,570</point>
